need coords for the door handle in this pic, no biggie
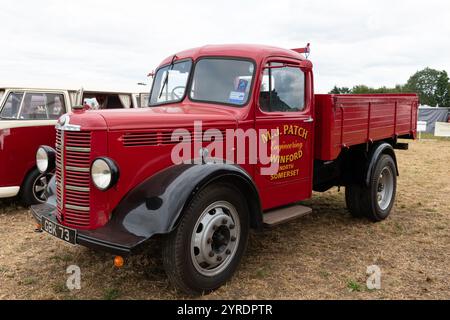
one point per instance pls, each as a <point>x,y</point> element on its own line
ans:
<point>310,120</point>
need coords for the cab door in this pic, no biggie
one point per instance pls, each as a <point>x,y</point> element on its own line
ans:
<point>284,120</point>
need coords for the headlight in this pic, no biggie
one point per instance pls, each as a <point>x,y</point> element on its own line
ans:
<point>104,173</point>
<point>45,159</point>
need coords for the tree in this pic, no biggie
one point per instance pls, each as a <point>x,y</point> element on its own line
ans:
<point>432,86</point>
<point>343,90</point>
<point>363,89</point>
<point>443,90</point>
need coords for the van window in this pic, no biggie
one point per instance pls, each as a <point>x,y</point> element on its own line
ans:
<point>285,92</point>
<point>42,106</point>
<point>12,105</point>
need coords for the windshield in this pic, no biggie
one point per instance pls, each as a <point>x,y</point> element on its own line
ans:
<point>220,80</point>
<point>170,83</point>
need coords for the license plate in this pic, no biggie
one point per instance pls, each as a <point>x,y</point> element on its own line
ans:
<point>59,231</point>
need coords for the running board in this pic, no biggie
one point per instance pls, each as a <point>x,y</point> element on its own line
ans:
<point>286,214</point>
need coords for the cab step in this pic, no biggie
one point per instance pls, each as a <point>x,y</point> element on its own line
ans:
<point>278,216</point>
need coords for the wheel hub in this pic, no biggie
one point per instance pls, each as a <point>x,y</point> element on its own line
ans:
<point>215,238</point>
<point>40,187</point>
<point>385,188</point>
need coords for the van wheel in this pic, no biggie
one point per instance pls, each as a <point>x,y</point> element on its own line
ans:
<point>33,190</point>
<point>204,251</point>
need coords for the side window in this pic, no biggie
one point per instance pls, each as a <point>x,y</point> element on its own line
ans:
<point>42,106</point>
<point>55,106</point>
<point>12,105</point>
<point>282,89</point>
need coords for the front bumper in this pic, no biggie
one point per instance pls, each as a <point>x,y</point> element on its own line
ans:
<point>109,238</point>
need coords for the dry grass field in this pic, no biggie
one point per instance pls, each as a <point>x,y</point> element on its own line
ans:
<point>321,256</point>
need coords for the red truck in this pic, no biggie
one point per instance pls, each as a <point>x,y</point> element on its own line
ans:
<point>177,169</point>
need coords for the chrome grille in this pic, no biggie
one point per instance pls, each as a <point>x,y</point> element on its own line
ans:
<point>73,177</point>
<point>59,172</point>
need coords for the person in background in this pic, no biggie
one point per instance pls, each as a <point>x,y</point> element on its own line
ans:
<point>102,101</point>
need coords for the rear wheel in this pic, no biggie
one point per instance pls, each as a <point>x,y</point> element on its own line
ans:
<point>376,200</point>
<point>33,190</point>
<point>379,198</point>
<point>206,248</point>
<point>353,200</point>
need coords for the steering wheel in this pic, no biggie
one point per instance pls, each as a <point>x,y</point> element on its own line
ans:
<point>176,96</point>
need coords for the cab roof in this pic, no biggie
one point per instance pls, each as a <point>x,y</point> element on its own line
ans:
<point>251,51</point>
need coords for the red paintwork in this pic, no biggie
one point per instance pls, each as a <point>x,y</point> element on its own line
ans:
<point>136,164</point>
<point>18,152</point>
<point>348,120</point>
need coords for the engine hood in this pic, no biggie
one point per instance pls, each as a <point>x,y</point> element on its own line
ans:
<point>85,120</point>
<point>173,116</point>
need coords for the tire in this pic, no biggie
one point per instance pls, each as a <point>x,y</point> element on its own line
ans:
<point>33,188</point>
<point>353,200</point>
<point>213,230</point>
<point>378,199</point>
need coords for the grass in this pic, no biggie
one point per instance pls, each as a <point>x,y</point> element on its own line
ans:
<point>433,137</point>
<point>321,256</point>
<point>111,294</point>
<point>60,287</point>
<point>29,281</point>
<point>63,258</point>
<point>354,286</point>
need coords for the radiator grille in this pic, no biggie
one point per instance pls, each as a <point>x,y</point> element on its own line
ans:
<point>73,177</point>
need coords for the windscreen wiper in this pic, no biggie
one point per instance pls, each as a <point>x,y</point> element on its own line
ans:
<point>166,80</point>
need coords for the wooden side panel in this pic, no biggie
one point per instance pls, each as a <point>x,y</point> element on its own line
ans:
<point>347,120</point>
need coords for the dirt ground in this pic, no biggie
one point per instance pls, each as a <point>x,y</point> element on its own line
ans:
<point>321,256</point>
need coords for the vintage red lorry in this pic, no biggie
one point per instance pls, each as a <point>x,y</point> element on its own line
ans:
<point>118,185</point>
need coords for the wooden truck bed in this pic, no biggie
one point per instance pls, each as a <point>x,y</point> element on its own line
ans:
<point>343,121</point>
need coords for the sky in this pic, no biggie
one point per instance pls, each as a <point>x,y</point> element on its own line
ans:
<point>114,44</point>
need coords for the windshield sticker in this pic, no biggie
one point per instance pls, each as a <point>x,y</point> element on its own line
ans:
<point>237,97</point>
<point>242,86</point>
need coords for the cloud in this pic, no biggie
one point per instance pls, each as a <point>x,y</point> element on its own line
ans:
<point>112,44</point>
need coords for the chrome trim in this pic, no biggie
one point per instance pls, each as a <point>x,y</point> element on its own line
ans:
<point>68,127</point>
<point>86,209</point>
<point>61,190</point>
<point>75,188</point>
<point>77,169</point>
<point>78,149</point>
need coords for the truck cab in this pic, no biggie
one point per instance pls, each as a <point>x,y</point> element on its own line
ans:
<point>27,120</point>
<point>233,139</point>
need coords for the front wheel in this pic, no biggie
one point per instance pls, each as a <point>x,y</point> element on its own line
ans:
<point>205,249</point>
<point>33,190</point>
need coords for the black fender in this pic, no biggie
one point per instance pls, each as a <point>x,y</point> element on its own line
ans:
<point>155,206</point>
<point>374,154</point>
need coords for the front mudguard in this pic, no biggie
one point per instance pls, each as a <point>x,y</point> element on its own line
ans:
<point>155,206</point>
